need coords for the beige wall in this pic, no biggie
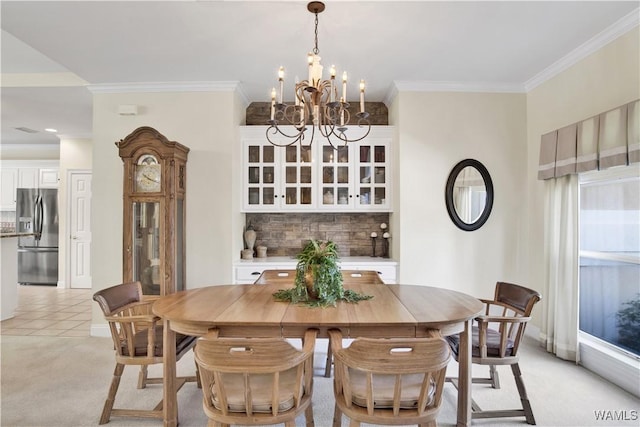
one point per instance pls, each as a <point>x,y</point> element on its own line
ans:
<point>75,154</point>
<point>435,131</point>
<point>30,152</point>
<point>207,123</point>
<point>606,79</point>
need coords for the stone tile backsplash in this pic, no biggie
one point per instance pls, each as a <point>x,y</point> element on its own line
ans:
<point>285,234</point>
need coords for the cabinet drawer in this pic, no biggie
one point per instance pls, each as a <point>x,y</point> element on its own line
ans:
<point>248,273</point>
<point>251,273</point>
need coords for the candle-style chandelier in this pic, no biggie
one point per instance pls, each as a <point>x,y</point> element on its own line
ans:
<point>316,102</point>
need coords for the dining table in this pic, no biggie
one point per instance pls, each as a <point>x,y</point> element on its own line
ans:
<point>394,311</point>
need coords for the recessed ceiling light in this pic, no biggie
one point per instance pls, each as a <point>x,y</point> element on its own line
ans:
<point>51,130</point>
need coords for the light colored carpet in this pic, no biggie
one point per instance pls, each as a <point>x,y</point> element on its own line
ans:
<point>49,381</point>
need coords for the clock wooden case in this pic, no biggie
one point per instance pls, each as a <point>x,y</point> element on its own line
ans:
<point>154,217</point>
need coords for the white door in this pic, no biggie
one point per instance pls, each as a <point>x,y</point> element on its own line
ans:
<point>80,230</point>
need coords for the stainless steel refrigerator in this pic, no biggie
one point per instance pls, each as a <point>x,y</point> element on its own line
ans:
<point>37,213</point>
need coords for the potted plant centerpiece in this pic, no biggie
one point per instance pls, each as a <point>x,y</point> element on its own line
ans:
<point>318,279</point>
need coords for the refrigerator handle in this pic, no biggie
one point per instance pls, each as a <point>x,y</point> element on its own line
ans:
<point>38,217</point>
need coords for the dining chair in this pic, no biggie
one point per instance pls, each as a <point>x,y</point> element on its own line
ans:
<point>495,341</point>
<point>137,340</point>
<point>395,381</point>
<point>351,277</point>
<point>278,277</point>
<point>255,381</point>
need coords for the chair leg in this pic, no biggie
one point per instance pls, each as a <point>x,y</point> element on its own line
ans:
<point>142,376</point>
<point>111,397</point>
<point>308,415</point>
<point>526,405</point>
<point>198,380</point>
<point>337,417</point>
<point>327,368</point>
<point>493,375</point>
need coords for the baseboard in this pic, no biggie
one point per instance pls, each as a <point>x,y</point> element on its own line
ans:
<point>100,330</point>
<point>621,370</point>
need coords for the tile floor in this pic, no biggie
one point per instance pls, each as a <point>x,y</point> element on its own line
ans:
<point>47,310</point>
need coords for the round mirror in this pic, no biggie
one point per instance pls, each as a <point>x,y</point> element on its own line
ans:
<point>469,195</point>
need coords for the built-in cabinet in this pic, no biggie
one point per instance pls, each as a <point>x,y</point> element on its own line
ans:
<point>355,177</point>
<point>25,174</point>
<point>247,271</point>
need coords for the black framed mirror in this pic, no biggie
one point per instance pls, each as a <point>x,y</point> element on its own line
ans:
<point>469,194</point>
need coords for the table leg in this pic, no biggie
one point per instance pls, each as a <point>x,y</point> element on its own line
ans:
<point>464,377</point>
<point>170,397</point>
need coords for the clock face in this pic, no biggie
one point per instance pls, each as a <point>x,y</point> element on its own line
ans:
<point>148,174</point>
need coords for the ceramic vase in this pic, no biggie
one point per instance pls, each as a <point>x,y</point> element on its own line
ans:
<point>250,237</point>
<point>309,281</point>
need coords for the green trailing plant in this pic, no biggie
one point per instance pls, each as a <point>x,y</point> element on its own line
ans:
<point>628,320</point>
<point>318,281</point>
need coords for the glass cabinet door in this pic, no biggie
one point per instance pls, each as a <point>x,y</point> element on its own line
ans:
<point>146,246</point>
<point>297,190</point>
<point>336,177</point>
<point>371,175</point>
<point>260,175</point>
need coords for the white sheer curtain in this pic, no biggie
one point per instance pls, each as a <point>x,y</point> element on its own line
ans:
<point>560,296</point>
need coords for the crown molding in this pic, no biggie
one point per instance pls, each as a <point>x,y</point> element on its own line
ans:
<point>155,87</point>
<point>443,86</point>
<point>619,28</point>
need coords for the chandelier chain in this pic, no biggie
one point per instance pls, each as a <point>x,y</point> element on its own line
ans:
<point>315,49</point>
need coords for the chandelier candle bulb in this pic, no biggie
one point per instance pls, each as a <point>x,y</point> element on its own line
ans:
<point>332,72</point>
<point>273,102</point>
<point>344,86</point>
<point>362,96</point>
<point>281,79</point>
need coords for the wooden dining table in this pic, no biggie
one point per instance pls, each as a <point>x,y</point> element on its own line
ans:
<point>252,311</point>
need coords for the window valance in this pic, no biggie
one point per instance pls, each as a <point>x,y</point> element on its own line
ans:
<point>600,142</point>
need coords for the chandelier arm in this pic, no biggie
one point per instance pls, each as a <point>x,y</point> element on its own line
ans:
<point>276,130</point>
<point>287,113</point>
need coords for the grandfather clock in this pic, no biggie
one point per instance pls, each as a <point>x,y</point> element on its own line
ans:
<point>154,211</point>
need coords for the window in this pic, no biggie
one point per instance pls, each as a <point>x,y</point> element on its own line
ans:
<point>610,257</point>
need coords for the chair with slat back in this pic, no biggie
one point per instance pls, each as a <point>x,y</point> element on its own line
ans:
<point>278,277</point>
<point>350,277</point>
<point>256,381</point>
<point>138,340</point>
<point>496,340</point>
<point>389,381</point>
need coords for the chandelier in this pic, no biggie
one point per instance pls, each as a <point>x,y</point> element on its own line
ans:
<point>317,103</point>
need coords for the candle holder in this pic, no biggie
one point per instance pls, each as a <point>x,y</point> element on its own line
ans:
<point>373,245</point>
<point>385,248</point>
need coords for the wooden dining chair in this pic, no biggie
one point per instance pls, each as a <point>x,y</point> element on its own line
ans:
<point>496,340</point>
<point>395,381</point>
<point>351,277</point>
<point>278,277</point>
<point>256,381</point>
<point>137,340</point>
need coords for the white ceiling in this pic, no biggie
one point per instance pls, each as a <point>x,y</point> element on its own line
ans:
<point>504,45</point>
